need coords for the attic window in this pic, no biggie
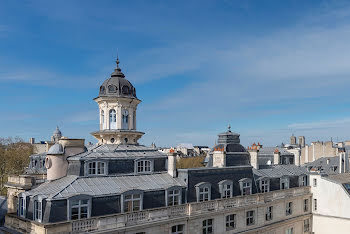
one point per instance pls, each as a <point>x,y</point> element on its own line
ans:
<point>112,89</point>
<point>102,90</point>
<point>125,89</point>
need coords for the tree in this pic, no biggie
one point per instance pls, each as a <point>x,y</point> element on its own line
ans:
<point>14,158</point>
<point>190,162</point>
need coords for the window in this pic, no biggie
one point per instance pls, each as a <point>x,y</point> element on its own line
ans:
<point>246,186</point>
<point>315,182</point>
<point>230,222</point>
<point>38,207</point>
<point>79,209</point>
<point>315,204</point>
<point>265,186</point>
<point>22,206</point>
<point>290,230</point>
<point>112,119</point>
<point>102,90</point>
<point>112,89</point>
<point>269,212</point>
<point>303,180</point>
<point>203,191</point>
<point>250,217</point>
<point>177,229</point>
<point>284,183</point>
<point>173,196</point>
<point>125,121</point>
<point>207,226</point>
<point>306,225</point>
<point>143,166</point>
<point>132,202</point>
<point>204,194</point>
<point>289,208</point>
<point>225,188</point>
<point>103,119</point>
<point>306,205</point>
<point>125,89</point>
<point>96,168</point>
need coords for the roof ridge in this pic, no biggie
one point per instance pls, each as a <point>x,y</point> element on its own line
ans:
<point>76,177</point>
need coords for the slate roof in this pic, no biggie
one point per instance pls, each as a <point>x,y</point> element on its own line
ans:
<point>322,166</point>
<point>277,171</point>
<point>104,185</point>
<point>270,150</point>
<point>339,178</point>
<point>109,151</point>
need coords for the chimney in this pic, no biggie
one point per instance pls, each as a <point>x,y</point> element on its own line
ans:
<point>343,161</point>
<point>219,157</point>
<point>276,157</point>
<point>172,163</point>
<point>254,157</point>
<point>32,140</point>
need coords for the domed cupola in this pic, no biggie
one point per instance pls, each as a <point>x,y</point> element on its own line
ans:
<point>117,104</point>
<point>236,154</point>
<point>117,85</point>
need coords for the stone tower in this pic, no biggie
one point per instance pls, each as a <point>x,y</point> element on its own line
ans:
<point>293,140</point>
<point>117,104</point>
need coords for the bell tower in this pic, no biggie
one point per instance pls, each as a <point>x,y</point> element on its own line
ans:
<point>117,102</point>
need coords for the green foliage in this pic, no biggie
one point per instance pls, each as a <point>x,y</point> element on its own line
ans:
<point>14,157</point>
<point>190,162</point>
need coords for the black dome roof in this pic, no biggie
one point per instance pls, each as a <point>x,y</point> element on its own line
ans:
<point>117,85</point>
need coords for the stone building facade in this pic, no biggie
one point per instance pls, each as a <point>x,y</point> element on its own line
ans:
<point>120,186</point>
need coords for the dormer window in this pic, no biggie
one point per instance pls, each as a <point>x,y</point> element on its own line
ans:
<point>22,205</point>
<point>144,166</point>
<point>96,168</point>
<point>265,185</point>
<point>203,191</point>
<point>173,196</point>
<point>38,209</point>
<point>102,90</point>
<point>245,185</point>
<point>284,182</point>
<point>303,180</point>
<point>79,207</point>
<point>125,89</point>
<point>112,89</point>
<point>132,201</point>
<point>226,188</point>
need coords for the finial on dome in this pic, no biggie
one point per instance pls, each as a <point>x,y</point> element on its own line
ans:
<point>229,127</point>
<point>117,61</point>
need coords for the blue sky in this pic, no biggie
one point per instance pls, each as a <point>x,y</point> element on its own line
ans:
<point>268,68</point>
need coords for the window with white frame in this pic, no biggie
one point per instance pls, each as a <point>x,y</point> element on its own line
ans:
<point>265,185</point>
<point>38,208</point>
<point>306,225</point>
<point>208,226</point>
<point>284,183</point>
<point>250,219</point>
<point>79,209</point>
<point>246,186</point>
<point>203,191</point>
<point>230,222</point>
<point>289,208</point>
<point>290,230</point>
<point>132,202</point>
<point>22,206</point>
<point>112,119</point>
<point>306,205</point>
<point>226,188</point>
<point>269,213</point>
<point>177,229</point>
<point>144,166</point>
<point>173,196</point>
<point>303,180</point>
<point>96,168</point>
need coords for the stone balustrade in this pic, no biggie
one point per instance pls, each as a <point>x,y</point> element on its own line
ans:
<point>111,222</point>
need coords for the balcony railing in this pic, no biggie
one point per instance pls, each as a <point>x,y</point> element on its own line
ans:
<point>110,222</point>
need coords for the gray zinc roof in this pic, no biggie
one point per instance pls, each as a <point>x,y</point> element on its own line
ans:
<point>271,150</point>
<point>119,151</point>
<point>325,165</point>
<point>104,185</point>
<point>278,171</point>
